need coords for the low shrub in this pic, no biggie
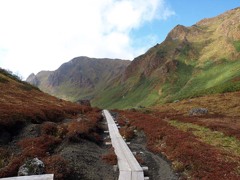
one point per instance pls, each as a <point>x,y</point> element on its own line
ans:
<point>58,166</point>
<point>110,157</point>
<point>39,146</point>
<point>49,128</point>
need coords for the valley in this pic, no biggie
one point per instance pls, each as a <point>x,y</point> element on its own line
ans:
<point>177,105</point>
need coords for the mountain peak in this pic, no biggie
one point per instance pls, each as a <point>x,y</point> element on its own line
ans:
<point>178,33</point>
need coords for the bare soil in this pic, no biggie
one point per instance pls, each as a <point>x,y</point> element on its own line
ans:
<point>158,166</point>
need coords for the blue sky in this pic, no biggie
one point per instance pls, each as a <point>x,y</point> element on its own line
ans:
<point>43,34</point>
<point>187,13</point>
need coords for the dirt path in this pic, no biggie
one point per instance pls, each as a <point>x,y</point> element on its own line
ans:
<point>159,168</point>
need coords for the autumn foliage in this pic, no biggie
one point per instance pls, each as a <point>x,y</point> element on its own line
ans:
<point>188,154</point>
<point>110,157</point>
<point>58,166</point>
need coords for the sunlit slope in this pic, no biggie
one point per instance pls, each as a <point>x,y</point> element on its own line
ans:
<point>192,61</point>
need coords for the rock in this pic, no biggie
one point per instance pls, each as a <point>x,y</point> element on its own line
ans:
<point>198,111</point>
<point>31,167</point>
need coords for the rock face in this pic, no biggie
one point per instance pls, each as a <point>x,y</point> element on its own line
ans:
<point>33,79</point>
<point>31,167</point>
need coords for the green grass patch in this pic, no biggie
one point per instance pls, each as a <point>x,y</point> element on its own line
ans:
<point>237,45</point>
<point>212,78</point>
<point>141,93</point>
<point>214,138</point>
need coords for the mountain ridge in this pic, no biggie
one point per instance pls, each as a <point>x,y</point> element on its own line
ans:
<point>191,61</point>
<point>79,75</point>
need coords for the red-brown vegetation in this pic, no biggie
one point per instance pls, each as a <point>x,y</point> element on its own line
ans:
<point>12,167</point>
<point>49,128</point>
<point>85,127</point>
<point>139,159</point>
<point>127,132</point>
<point>39,146</point>
<point>197,159</point>
<point>111,157</point>
<point>224,112</point>
<point>58,166</point>
<point>20,105</point>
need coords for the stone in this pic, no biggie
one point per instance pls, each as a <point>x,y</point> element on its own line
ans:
<point>198,111</point>
<point>31,167</point>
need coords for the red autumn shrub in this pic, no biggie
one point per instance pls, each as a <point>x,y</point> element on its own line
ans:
<point>58,166</point>
<point>62,130</point>
<point>38,146</point>
<point>139,159</point>
<point>127,132</point>
<point>49,128</point>
<point>200,160</point>
<point>110,157</point>
<point>12,168</point>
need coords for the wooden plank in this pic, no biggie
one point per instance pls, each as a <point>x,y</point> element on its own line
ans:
<point>33,177</point>
<point>128,166</point>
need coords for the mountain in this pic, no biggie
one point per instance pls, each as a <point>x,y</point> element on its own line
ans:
<point>80,78</point>
<point>191,61</point>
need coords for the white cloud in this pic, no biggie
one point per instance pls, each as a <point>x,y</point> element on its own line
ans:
<point>42,34</point>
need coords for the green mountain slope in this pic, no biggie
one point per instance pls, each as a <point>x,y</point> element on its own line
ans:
<point>192,61</point>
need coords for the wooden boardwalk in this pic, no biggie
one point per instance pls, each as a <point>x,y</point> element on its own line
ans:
<point>129,168</point>
<point>33,177</point>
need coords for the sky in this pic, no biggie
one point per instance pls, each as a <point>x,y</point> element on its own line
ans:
<point>40,35</point>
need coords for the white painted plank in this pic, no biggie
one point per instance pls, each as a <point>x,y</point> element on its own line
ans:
<point>128,166</point>
<point>33,177</point>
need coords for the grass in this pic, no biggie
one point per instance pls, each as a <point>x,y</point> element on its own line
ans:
<point>237,45</point>
<point>188,81</point>
<point>142,93</point>
<point>212,78</point>
<point>214,138</point>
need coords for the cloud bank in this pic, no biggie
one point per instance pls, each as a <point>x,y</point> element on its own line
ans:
<point>43,34</point>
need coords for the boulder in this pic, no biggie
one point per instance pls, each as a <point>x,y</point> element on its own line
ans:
<point>31,167</point>
<point>198,111</point>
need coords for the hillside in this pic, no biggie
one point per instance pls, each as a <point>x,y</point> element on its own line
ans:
<point>64,135</point>
<point>191,61</point>
<point>80,78</point>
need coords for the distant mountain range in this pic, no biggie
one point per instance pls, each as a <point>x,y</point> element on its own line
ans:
<point>191,61</point>
<point>80,78</point>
